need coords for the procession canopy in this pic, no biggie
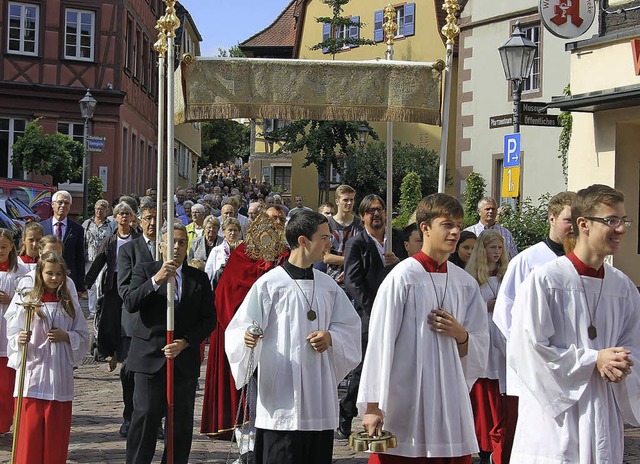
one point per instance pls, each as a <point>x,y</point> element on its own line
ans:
<point>224,88</point>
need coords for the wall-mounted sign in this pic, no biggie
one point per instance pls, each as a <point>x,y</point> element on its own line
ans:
<point>567,19</point>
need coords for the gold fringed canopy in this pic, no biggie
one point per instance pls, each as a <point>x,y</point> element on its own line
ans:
<point>223,88</point>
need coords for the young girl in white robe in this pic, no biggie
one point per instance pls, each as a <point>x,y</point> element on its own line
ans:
<point>494,429</point>
<point>32,233</point>
<point>10,271</point>
<point>58,340</point>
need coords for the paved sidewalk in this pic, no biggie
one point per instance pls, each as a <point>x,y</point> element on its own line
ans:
<point>97,417</point>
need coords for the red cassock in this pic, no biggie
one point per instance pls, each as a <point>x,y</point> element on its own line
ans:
<point>220,395</point>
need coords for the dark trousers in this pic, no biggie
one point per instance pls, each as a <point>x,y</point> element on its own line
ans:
<point>128,383</point>
<point>293,447</point>
<point>149,406</point>
<point>348,407</point>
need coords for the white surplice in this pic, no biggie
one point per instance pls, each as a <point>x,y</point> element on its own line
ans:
<point>496,359</point>
<point>297,386</point>
<point>567,413</point>
<point>517,270</point>
<point>49,367</point>
<point>8,282</point>
<point>416,375</point>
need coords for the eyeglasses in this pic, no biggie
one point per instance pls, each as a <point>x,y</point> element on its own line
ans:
<point>373,211</point>
<point>62,202</point>
<point>612,221</point>
<point>149,218</point>
<point>123,213</point>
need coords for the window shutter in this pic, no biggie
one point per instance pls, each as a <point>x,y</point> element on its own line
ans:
<point>410,19</point>
<point>326,34</point>
<point>354,31</point>
<point>378,20</point>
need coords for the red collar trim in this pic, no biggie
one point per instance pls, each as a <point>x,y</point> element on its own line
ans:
<point>583,269</point>
<point>4,266</point>
<point>429,264</point>
<point>50,297</point>
<point>28,259</point>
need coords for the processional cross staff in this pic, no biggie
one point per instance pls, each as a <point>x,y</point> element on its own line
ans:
<point>29,309</point>
<point>167,26</point>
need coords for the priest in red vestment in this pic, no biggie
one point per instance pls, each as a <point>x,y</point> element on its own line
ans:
<point>264,248</point>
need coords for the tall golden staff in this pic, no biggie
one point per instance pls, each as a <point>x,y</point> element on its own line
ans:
<point>161,48</point>
<point>450,31</point>
<point>29,308</point>
<point>171,23</point>
<point>389,27</point>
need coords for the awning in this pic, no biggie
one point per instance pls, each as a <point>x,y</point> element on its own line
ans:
<point>600,100</point>
<point>224,88</point>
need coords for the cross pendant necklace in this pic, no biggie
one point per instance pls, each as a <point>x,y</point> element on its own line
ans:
<point>311,314</point>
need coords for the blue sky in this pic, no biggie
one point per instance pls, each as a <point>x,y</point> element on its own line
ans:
<point>224,23</point>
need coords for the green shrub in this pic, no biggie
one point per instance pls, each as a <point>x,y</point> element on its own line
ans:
<point>528,222</point>
<point>474,191</point>
<point>410,196</point>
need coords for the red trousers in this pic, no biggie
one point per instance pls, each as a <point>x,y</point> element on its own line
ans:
<point>7,381</point>
<point>375,458</point>
<point>495,417</point>
<point>44,432</point>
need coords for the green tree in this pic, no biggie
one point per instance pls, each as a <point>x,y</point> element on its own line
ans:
<point>336,42</point>
<point>95,194</point>
<point>233,52</point>
<point>368,173</point>
<point>223,140</point>
<point>474,191</point>
<point>528,222</point>
<point>55,154</point>
<point>410,196</point>
<point>325,140</point>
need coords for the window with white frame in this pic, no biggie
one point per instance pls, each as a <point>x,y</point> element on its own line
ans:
<point>10,130</point>
<point>74,130</point>
<point>405,19</point>
<point>23,28</point>
<point>79,33</point>
<point>343,32</point>
<point>532,84</point>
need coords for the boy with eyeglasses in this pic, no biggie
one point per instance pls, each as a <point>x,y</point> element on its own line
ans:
<point>572,344</point>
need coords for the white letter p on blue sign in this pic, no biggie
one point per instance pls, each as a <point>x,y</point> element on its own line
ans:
<point>511,150</point>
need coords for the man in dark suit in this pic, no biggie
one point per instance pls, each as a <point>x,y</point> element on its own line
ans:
<point>194,321</point>
<point>71,233</point>
<point>139,250</point>
<point>365,266</point>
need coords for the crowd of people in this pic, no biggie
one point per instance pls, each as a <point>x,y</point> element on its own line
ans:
<point>450,339</point>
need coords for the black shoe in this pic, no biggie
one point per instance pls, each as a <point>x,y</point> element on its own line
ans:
<point>344,428</point>
<point>160,433</point>
<point>247,458</point>
<point>124,429</point>
<point>485,457</point>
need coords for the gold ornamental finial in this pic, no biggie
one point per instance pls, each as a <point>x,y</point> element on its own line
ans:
<point>451,29</point>
<point>161,45</point>
<point>390,25</point>
<point>171,21</point>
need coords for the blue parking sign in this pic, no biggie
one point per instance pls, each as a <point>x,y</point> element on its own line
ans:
<point>511,150</point>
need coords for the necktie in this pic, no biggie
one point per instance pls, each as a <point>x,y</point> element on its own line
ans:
<point>152,248</point>
<point>177,284</point>
<point>59,230</point>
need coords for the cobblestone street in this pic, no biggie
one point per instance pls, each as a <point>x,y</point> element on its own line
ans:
<point>97,417</point>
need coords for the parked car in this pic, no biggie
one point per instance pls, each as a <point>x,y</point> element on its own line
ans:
<point>17,210</point>
<point>36,195</point>
<point>7,223</point>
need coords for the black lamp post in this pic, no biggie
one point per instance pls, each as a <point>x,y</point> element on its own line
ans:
<point>517,60</point>
<point>87,108</point>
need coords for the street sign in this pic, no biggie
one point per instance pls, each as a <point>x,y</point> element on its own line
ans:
<point>504,120</point>
<point>548,120</point>
<point>511,150</point>
<point>95,143</point>
<point>526,119</point>
<point>533,107</point>
<point>511,182</point>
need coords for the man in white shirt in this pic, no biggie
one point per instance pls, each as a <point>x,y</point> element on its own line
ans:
<point>572,341</point>
<point>488,210</point>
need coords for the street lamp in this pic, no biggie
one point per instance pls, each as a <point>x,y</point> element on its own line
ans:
<point>517,56</point>
<point>363,134</point>
<point>87,108</point>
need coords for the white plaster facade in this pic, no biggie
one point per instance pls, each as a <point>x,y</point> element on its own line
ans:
<point>484,92</point>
